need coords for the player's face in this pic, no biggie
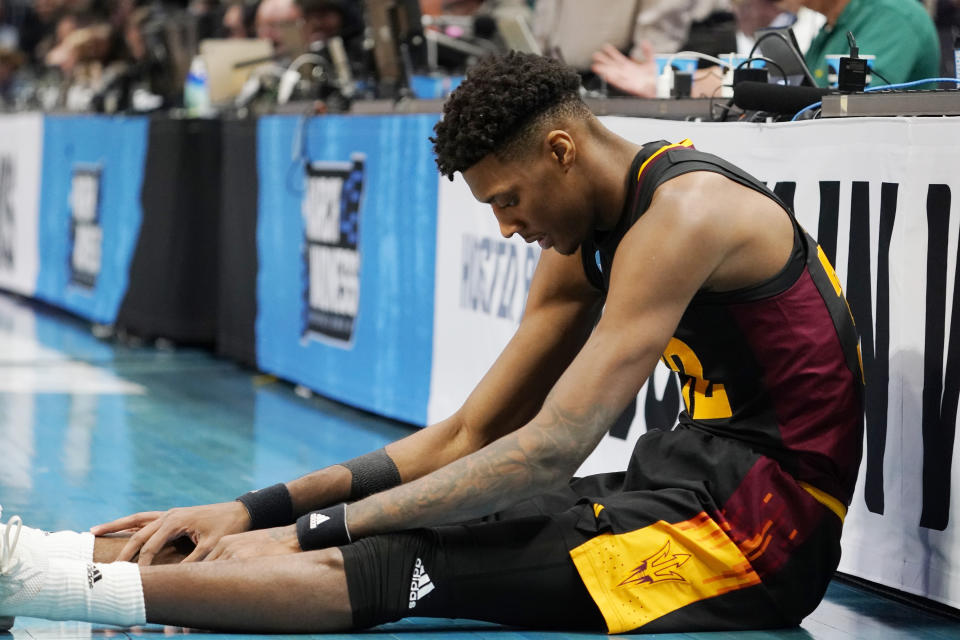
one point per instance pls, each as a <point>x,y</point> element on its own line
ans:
<point>533,197</point>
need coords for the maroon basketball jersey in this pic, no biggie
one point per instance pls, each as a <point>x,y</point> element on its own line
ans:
<point>775,365</point>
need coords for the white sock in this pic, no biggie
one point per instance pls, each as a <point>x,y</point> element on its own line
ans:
<point>66,545</point>
<point>106,593</point>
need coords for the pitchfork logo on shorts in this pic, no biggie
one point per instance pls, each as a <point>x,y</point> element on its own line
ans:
<point>7,220</point>
<point>86,234</point>
<point>659,567</point>
<point>331,215</point>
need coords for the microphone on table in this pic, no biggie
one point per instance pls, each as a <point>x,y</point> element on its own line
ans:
<point>776,98</point>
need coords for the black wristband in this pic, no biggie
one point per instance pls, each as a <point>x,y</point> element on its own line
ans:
<point>269,507</point>
<point>372,473</point>
<point>323,528</point>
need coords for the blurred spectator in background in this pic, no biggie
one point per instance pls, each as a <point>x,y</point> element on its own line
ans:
<point>158,56</point>
<point>617,44</point>
<point>10,62</point>
<point>48,14</point>
<point>80,38</point>
<point>20,27</point>
<point>207,16</point>
<point>759,14</point>
<point>900,33</point>
<point>281,22</point>
<point>238,19</point>
<point>324,19</point>
<point>638,75</point>
<point>753,15</point>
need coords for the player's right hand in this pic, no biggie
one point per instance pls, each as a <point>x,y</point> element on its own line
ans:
<point>204,525</point>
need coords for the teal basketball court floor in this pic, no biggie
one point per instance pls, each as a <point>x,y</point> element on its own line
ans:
<point>94,429</point>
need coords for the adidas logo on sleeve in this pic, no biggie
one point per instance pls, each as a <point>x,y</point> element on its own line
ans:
<point>420,584</point>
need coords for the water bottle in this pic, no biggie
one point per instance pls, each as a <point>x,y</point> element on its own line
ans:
<point>196,89</point>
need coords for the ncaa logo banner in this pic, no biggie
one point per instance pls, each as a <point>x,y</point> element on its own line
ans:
<point>86,234</point>
<point>90,211</point>
<point>331,215</point>
<point>21,144</point>
<point>346,239</point>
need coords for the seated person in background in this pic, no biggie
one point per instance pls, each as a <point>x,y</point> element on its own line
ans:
<point>598,43</point>
<point>324,19</point>
<point>20,27</point>
<point>278,21</point>
<point>238,20</point>
<point>82,38</point>
<point>899,32</point>
<point>329,18</point>
<point>11,60</point>
<point>760,14</point>
<point>640,77</point>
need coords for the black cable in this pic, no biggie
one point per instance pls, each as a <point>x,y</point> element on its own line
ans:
<point>874,72</point>
<point>726,109</point>
<point>786,41</point>
<point>713,96</point>
<point>783,75</point>
<point>770,34</point>
<point>852,42</point>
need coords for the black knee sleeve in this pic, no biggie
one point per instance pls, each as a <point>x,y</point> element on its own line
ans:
<point>387,576</point>
<point>514,573</point>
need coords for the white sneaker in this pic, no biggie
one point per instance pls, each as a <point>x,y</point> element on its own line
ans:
<point>21,571</point>
<point>66,545</point>
<point>6,559</point>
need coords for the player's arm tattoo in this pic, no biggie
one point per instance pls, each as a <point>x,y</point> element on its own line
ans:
<point>535,458</point>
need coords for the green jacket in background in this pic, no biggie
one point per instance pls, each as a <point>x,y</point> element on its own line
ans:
<point>900,33</point>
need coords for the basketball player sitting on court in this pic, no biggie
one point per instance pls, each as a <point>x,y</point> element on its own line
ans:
<point>729,520</point>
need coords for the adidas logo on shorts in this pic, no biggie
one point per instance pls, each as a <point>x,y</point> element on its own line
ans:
<point>317,519</point>
<point>420,584</point>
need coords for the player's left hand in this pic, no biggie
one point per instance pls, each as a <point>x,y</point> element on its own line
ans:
<point>253,544</point>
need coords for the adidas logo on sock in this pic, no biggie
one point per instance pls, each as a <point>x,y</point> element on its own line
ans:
<point>420,584</point>
<point>317,519</point>
<point>93,575</point>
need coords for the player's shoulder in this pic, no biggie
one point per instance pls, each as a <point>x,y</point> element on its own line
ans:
<point>691,199</point>
<point>701,213</point>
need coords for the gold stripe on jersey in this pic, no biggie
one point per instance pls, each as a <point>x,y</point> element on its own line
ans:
<point>642,575</point>
<point>704,399</point>
<point>835,281</point>
<point>684,143</point>
<point>825,499</point>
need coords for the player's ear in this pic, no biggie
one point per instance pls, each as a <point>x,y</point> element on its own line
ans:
<point>563,150</point>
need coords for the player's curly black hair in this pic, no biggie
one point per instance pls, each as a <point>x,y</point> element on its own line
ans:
<point>501,102</point>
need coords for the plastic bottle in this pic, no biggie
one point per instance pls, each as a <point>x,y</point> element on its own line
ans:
<point>196,90</point>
